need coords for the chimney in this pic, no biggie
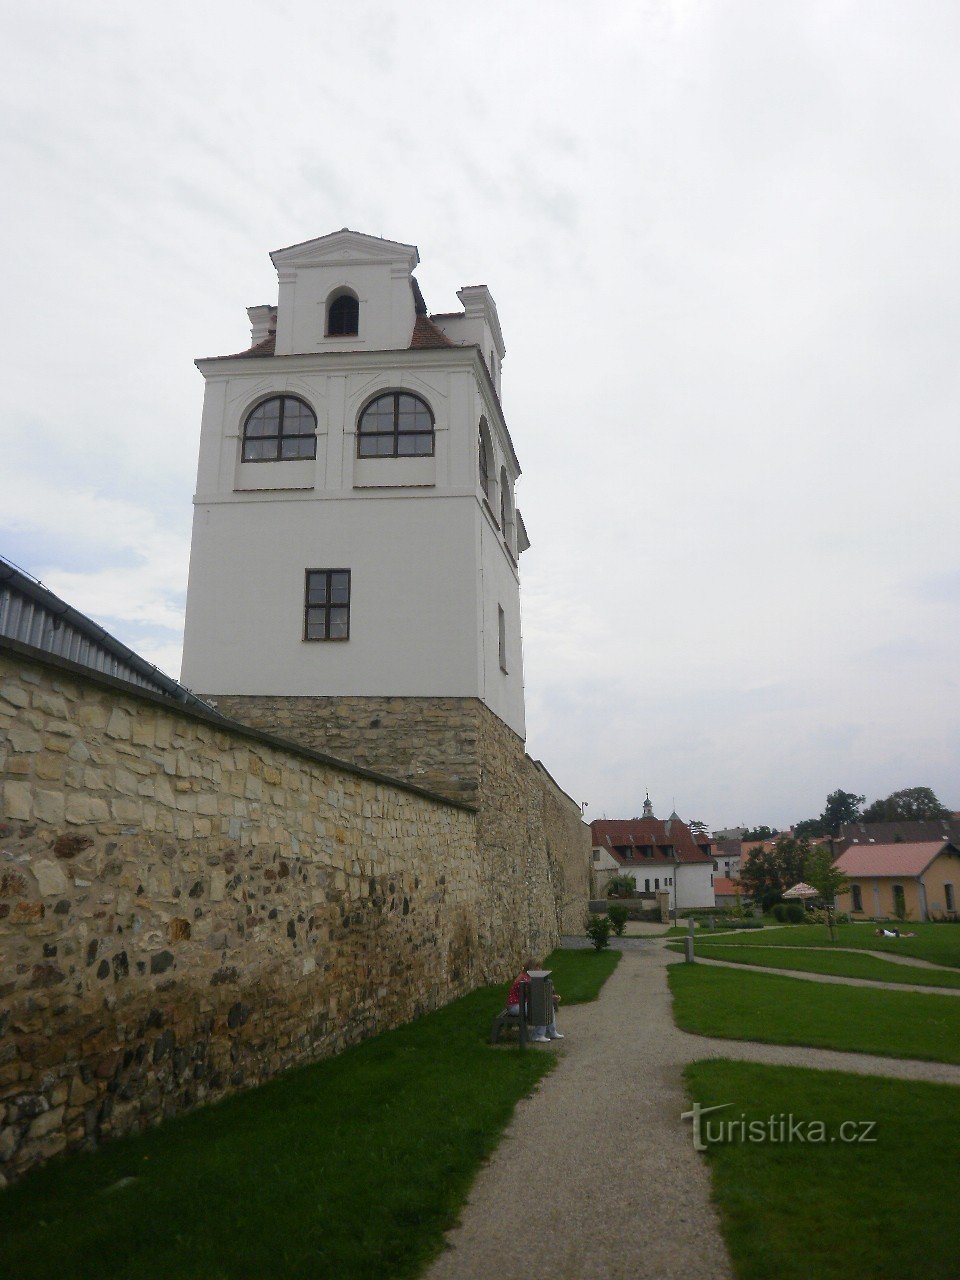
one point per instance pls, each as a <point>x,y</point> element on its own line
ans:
<point>263,323</point>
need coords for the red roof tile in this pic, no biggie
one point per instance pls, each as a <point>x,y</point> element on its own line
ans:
<point>891,859</point>
<point>427,334</point>
<point>637,833</point>
<point>724,887</point>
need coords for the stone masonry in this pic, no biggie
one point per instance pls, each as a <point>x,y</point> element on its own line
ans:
<point>188,907</point>
<point>529,832</point>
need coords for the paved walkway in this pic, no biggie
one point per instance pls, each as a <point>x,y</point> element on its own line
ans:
<point>807,976</point>
<point>602,1152</point>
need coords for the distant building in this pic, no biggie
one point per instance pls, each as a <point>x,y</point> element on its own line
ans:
<point>916,880</point>
<point>911,832</point>
<point>727,853</point>
<point>657,854</point>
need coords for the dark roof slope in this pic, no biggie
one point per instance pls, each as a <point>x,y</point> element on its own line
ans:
<point>622,837</point>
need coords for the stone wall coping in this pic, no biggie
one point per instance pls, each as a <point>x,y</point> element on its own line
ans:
<point>217,721</point>
<point>538,764</point>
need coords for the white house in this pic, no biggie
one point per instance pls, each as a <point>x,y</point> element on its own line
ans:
<point>355,518</point>
<point>657,855</point>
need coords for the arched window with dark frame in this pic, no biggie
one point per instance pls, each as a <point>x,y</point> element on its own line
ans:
<point>396,425</point>
<point>281,428</point>
<point>506,509</point>
<point>343,316</point>
<point>484,457</point>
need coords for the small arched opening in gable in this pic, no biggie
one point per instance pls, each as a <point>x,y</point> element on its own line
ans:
<point>343,314</point>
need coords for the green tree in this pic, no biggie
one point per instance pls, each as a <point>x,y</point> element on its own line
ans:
<point>912,804</point>
<point>698,828</point>
<point>841,807</point>
<point>769,873</point>
<point>760,833</point>
<point>821,874</point>
<point>809,827</point>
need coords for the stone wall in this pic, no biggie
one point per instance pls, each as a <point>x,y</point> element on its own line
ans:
<point>431,742</point>
<point>529,831</point>
<point>187,908</point>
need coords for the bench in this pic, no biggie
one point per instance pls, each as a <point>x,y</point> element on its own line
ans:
<point>507,1019</point>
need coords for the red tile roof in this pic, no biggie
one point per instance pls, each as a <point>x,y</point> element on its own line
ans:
<point>427,334</point>
<point>636,833</point>
<point>891,859</point>
<point>724,887</point>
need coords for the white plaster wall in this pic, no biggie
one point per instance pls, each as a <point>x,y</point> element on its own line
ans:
<point>695,885</point>
<point>413,613</point>
<point>428,560</point>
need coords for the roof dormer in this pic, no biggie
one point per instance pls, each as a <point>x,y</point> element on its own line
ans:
<point>345,291</point>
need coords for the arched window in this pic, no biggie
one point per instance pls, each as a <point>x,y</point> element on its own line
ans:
<point>506,509</point>
<point>281,427</point>
<point>396,425</point>
<point>485,458</point>
<point>343,316</point>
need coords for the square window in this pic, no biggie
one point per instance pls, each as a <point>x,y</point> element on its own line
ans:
<point>326,608</point>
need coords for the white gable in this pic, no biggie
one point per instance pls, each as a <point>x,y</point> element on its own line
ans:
<point>377,272</point>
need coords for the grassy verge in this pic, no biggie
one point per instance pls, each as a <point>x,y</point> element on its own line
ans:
<point>825,1211</point>
<point>845,964</point>
<point>939,943</point>
<point>354,1167</point>
<point>775,1010</point>
<point>579,975</point>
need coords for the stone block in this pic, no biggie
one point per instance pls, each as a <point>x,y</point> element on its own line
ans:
<point>17,801</point>
<point>82,809</point>
<point>118,725</point>
<point>51,880</point>
<point>45,1124</point>
<point>49,806</point>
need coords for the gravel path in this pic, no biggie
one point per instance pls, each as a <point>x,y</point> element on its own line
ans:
<point>877,984</point>
<point>913,962</point>
<point>596,1177</point>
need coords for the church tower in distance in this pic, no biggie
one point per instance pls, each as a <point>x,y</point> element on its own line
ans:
<point>354,565</point>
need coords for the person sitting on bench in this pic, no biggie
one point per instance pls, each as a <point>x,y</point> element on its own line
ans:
<point>540,1034</point>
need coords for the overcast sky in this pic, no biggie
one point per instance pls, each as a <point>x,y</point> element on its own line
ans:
<point>722,238</point>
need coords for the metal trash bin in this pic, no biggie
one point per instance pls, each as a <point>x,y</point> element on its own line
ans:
<point>540,999</point>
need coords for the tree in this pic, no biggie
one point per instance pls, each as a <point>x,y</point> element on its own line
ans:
<point>768,873</point>
<point>809,827</point>
<point>698,828</point>
<point>828,880</point>
<point>842,806</point>
<point>759,833</point>
<point>912,804</point>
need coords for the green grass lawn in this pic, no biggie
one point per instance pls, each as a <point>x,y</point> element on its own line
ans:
<point>578,975</point>
<point>775,1010</point>
<point>939,943</point>
<point>351,1168</point>
<point>848,964</point>
<point>888,1210</point>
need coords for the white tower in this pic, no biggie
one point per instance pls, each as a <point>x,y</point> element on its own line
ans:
<point>355,534</point>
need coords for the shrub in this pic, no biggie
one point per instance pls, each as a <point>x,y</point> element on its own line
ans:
<point>618,916</point>
<point>780,912</point>
<point>794,913</point>
<point>620,887</point>
<point>598,931</point>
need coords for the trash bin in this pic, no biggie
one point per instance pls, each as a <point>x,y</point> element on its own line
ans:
<point>540,1007</point>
